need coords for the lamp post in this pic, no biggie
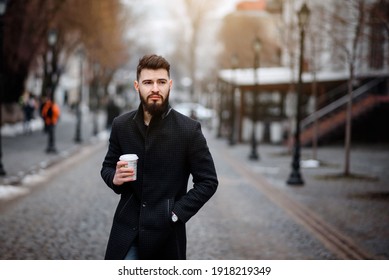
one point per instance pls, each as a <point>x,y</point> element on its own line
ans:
<point>49,88</point>
<point>257,48</point>
<point>220,111</point>
<point>234,64</point>
<point>78,138</point>
<point>295,177</point>
<point>3,7</point>
<point>52,40</point>
<point>95,102</point>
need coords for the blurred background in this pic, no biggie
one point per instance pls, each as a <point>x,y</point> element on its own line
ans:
<point>290,74</point>
<point>235,63</point>
<point>223,53</point>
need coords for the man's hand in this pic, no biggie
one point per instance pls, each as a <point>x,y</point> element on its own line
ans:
<point>123,173</point>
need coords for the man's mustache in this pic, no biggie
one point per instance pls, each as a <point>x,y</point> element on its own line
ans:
<point>155,95</point>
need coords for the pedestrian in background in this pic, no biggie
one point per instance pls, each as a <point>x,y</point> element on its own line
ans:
<point>28,106</point>
<point>42,102</point>
<point>149,222</point>
<point>113,111</point>
<point>50,114</point>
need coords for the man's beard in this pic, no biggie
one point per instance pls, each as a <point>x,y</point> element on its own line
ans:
<point>155,109</point>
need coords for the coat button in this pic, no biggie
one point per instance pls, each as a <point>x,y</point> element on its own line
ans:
<point>144,204</point>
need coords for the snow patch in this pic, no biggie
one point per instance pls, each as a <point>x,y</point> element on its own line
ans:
<point>10,192</point>
<point>33,179</point>
<point>309,163</point>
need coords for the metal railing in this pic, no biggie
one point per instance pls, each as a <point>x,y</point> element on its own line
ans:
<point>339,103</point>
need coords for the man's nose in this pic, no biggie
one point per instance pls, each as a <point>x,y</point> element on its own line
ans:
<point>155,87</point>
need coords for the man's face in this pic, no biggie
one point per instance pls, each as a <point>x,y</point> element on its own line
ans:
<point>154,88</point>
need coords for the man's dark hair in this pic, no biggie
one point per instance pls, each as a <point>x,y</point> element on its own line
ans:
<point>153,62</point>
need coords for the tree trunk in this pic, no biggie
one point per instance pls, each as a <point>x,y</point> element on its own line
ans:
<point>14,85</point>
<point>347,143</point>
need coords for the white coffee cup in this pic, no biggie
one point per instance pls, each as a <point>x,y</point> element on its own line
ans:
<point>132,160</point>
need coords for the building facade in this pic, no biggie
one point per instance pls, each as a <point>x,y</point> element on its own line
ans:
<point>331,47</point>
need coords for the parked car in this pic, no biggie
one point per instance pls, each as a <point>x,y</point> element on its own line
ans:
<point>196,111</point>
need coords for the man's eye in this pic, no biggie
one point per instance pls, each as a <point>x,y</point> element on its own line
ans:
<point>161,82</point>
<point>147,83</point>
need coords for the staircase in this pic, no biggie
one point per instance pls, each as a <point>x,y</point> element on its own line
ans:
<point>333,116</point>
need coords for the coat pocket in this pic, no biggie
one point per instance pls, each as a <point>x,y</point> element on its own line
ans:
<point>170,206</point>
<point>123,205</point>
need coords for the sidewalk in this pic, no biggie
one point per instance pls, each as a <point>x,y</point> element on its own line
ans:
<point>24,157</point>
<point>356,206</point>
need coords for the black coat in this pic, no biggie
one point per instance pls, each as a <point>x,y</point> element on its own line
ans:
<point>170,149</point>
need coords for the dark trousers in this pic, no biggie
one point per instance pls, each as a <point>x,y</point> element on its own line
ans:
<point>51,138</point>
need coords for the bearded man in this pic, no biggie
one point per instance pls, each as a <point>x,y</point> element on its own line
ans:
<point>149,222</point>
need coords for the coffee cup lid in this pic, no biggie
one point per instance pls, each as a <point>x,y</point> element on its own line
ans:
<point>128,157</point>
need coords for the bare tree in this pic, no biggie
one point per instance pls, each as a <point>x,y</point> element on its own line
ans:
<point>99,27</point>
<point>197,11</point>
<point>26,27</point>
<point>317,47</point>
<point>88,22</point>
<point>349,22</point>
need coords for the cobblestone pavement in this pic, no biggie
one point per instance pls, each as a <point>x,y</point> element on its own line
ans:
<point>67,217</point>
<point>355,206</point>
<point>69,214</point>
<point>241,223</point>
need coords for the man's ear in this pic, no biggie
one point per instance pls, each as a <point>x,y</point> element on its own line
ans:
<point>136,85</point>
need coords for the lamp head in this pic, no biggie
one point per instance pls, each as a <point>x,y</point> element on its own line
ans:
<point>257,45</point>
<point>234,60</point>
<point>303,15</point>
<point>52,37</point>
<point>3,6</point>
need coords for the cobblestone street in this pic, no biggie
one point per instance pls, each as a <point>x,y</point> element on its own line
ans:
<point>253,215</point>
<point>67,217</point>
<point>70,216</point>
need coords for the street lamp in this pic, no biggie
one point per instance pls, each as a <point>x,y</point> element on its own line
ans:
<point>49,87</point>
<point>78,138</point>
<point>52,37</point>
<point>3,7</point>
<point>295,176</point>
<point>234,64</point>
<point>52,40</point>
<point>257,48</point>
<point>95,101</point>
<point>220,111</point>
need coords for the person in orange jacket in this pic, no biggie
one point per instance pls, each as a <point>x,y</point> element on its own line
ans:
<point>50,114</point>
